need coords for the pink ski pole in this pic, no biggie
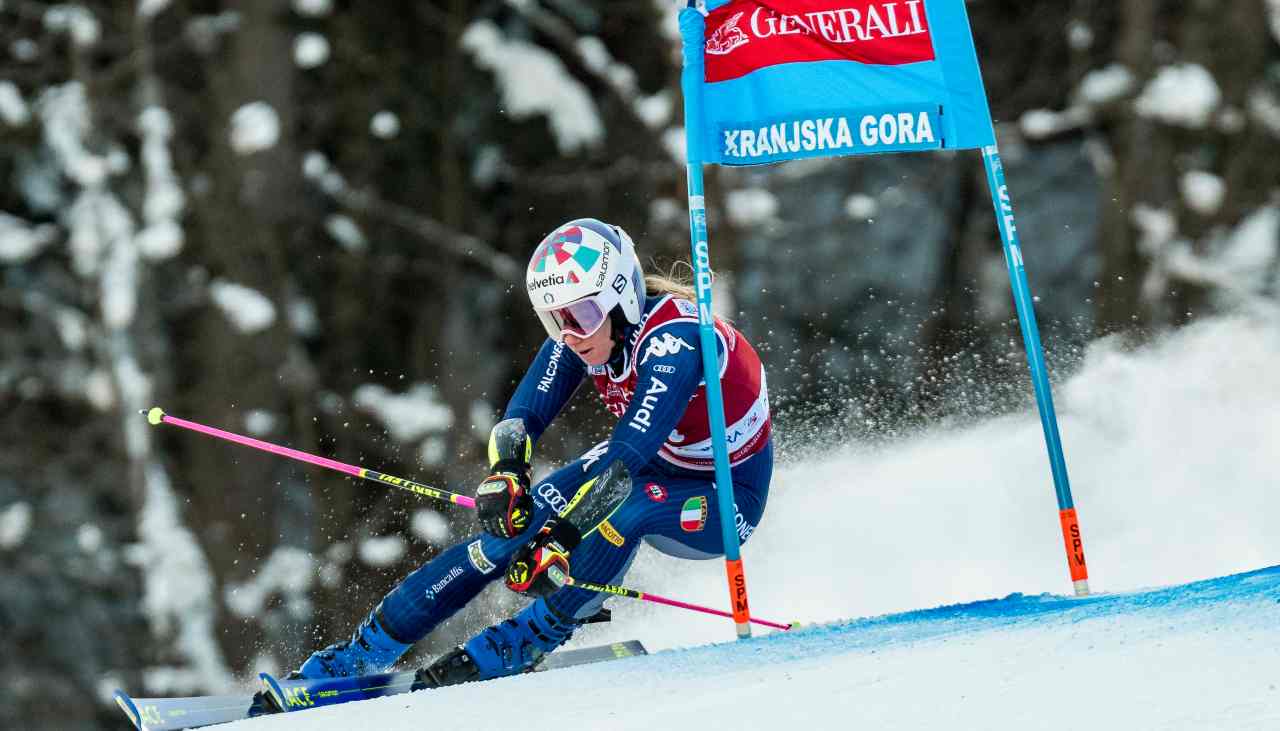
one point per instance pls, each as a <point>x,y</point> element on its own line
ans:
<point>645,596</point>
<point>156,416</point>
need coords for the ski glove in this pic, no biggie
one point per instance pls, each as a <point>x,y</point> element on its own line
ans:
<point>503,502</point>
<point>541,567</point>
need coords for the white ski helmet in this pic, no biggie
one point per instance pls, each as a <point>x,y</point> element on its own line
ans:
<point>579,273</point>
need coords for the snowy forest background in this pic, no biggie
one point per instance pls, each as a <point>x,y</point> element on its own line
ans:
<point>307,221</point>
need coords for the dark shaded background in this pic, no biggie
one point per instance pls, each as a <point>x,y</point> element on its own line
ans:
<point>124,550</point>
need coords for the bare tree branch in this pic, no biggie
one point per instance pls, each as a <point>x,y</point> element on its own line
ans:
<point>566,39</point>
<point>437,234</point>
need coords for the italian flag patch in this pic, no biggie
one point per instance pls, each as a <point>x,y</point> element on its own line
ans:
<point>693,514</point>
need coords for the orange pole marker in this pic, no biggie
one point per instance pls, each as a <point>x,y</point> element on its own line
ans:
<point>1075,550</point>
<point>738,596</point>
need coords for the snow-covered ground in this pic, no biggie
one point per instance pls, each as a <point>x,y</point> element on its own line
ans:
<point>1171,451</point>
<point>1197,657</point>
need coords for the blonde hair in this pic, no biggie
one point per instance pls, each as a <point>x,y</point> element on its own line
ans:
<point>673,281</point>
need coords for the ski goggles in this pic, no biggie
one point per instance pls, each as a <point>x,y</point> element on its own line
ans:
<point>582,318</point>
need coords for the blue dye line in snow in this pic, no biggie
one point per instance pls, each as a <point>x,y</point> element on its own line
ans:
<point>1253,594</point>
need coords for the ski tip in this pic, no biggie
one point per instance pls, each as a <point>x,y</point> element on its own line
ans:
<point>126,704</point>
<point>630,648</point>
<point>274,691</point>
<point>155,415</point>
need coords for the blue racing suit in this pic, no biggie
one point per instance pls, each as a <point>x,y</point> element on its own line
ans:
<point>672,504</point>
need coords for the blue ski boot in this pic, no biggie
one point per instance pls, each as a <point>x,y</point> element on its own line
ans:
<point>370,650</point>
<point>514,646</point>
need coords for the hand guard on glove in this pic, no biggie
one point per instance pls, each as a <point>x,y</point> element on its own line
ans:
<point>503,503</point>
<point>541,567</point>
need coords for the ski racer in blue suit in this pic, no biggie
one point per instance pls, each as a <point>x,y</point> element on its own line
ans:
<point>637,342</point>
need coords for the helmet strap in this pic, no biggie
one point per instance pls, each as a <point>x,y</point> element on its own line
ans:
<point>618,330</point>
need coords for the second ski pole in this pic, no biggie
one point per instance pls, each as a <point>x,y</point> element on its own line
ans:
<point>647,597</point>
<point>156,416</point>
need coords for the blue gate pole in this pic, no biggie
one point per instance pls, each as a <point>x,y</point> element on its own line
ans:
<point>1039,375</point>
<point>692,30</point>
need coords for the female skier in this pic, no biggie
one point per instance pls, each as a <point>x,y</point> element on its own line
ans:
<point>636,340</point>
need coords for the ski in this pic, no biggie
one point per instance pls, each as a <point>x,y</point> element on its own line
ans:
<point>170,714</point>
<point>160,714</point>
<point>298,695</point>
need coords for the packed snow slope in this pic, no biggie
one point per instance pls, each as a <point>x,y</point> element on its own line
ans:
<point>1172,452</point>
<point>1194,657</point>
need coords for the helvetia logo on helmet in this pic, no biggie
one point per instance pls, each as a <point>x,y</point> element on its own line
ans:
<point>547,281</point>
